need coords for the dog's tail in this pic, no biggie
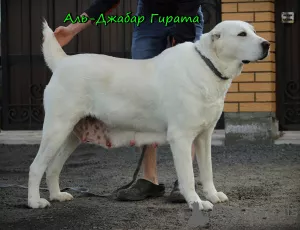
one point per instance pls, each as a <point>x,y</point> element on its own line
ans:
<point>52,50</point>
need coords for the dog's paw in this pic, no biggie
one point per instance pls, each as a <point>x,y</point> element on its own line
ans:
<point>217,197</point>
<point>207,205</point>
<point>39,203</point>
<point>62,196</point>
<point>202,205</point>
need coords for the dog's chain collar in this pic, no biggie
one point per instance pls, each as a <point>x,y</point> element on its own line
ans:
<point>211,65</point>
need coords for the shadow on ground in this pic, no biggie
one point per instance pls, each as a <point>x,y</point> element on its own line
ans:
<point>262,183</point>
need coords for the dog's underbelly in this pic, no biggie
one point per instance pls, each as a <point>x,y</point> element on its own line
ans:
<point>94,131</point>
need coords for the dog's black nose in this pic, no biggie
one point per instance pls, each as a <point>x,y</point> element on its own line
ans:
<point>265,45</point>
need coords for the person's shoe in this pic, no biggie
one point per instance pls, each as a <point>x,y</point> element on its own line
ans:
<point>141,190</point>
<point>175,195</point>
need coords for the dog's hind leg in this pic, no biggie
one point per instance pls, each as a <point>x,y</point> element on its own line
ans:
<point>55,167</point>
<point>54,135</point>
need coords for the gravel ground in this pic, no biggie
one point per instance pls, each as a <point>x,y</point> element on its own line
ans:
<point>262,183</point>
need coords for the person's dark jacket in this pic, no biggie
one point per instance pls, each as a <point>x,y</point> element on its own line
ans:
<point>185,31</point>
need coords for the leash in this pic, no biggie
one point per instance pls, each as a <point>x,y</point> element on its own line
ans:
<point>85,191</point>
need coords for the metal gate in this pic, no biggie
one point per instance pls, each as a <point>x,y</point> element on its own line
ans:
<point>287,62</point>
<point>25,74</point>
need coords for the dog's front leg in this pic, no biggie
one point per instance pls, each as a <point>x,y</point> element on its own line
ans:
<point>203,153</point>
<point>181,148</point>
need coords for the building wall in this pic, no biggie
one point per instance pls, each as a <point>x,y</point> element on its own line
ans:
<point>254,90</point>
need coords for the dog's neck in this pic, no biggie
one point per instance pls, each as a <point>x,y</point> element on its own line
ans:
<point>228,69</point>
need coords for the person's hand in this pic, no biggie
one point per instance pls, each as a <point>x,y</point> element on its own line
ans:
<point>173,42</point>
<point>63,35</point>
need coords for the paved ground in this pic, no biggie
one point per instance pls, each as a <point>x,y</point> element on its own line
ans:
<point>262,184</point>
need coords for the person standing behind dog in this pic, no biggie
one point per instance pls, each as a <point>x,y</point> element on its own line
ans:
<point>149,39</point>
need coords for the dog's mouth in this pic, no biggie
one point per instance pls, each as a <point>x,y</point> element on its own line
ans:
<point>246,61</point>
<point>265,54</point>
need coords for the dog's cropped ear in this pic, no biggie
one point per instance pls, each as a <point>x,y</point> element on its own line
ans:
<point>215,35</point>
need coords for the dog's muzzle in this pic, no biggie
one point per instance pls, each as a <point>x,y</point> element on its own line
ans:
<point>265,47</point>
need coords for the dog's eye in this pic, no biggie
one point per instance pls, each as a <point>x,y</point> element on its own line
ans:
<point>242,34</point>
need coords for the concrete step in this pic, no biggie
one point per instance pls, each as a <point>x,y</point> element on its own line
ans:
<point>34,137</point>
<point>290,137</point>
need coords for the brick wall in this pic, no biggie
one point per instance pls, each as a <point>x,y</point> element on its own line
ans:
<point>254,90</point>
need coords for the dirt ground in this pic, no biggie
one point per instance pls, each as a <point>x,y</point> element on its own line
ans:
<point>262,183</point>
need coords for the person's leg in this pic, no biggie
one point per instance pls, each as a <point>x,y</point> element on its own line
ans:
<point>149,40</point>
<point>175,195</point>
<point>199,32</point>
<point>149,165</point>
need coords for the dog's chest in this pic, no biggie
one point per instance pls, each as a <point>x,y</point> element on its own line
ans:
<point>208,114</point>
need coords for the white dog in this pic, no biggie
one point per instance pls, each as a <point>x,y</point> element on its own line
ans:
<point>176,97</point>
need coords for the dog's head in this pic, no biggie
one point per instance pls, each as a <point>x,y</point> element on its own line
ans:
<point>237,41</point>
